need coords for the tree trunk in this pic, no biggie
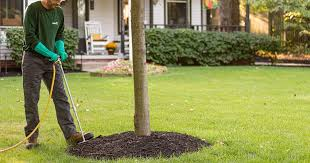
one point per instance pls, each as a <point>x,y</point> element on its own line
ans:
<point>142,117</point>
<point>229,14</point>
<point>235,12</point>
<point>225,13</point>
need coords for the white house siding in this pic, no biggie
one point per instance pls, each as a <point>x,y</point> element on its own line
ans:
<point>196,12</point>
<point>31,1</point>
<point>105,13</point>
<point>147,12</point>
<point>67,9</point>
<point>115,24</point>
<point>204,17</point>
<point>158,11</point>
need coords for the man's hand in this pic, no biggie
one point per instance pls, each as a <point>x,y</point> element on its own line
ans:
<point>54,57</point>
<point>60,46</point>
<point>41,49</point>
<point>63,56</point>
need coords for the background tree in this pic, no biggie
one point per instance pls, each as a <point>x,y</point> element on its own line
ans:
<point>229,12</point>
<point>290,20</point>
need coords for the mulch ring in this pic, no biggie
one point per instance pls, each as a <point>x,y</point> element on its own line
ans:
<point>128,145</point>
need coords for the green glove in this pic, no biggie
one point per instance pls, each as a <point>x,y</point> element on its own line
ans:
<point>41,49</point>
<point>60,46</point>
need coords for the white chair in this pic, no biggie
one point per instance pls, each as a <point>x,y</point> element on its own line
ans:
<point>95,40</point>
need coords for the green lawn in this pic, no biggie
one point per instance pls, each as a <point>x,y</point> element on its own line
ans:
<point>249,114</point>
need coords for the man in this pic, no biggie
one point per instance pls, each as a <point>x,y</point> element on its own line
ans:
<point>44,26</point>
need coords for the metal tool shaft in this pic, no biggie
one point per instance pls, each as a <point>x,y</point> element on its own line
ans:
<point>71,99</point>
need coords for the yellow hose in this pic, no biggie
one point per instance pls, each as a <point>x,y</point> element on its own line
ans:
<point>43,116</point>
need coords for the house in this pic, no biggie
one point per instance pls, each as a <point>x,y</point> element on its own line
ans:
<point>112,16</point>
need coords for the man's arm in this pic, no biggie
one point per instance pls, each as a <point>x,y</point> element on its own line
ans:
<point>30,28</point>
<point>32,41</point>
<point>60,44</point>
<point>60,32</point>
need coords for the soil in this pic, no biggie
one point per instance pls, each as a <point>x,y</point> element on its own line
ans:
<point>128,145</point>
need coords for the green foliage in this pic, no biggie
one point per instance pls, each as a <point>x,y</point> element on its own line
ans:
<point>296,13</point>
<point>296,16</point>
<point>280,5</point>
<point>71,39</point>
<point>184,46</point>
<point>15,39</point>
<point>248,114</point>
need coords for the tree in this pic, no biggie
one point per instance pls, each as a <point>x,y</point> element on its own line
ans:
<point>229,12</point>
<point>235,13</point>
<point>295,13</point>
<point>142,117</point>
<point>290,18</point>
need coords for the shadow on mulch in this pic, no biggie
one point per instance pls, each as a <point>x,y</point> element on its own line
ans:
<point>128,145</point>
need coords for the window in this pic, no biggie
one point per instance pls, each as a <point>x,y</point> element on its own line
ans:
<point>11,12</point>
<point>177,13</point>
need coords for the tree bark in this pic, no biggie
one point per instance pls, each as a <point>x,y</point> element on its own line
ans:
<point>142,117</point>
<point>229,13</point>
<point>225,13</point>
<point>235,12</point>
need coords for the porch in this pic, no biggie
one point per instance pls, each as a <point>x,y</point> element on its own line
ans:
<point>113,18</point>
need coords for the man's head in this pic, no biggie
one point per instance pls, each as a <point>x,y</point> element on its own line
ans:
<point>51,4</point>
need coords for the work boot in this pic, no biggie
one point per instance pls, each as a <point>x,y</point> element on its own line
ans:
<point>77,137</point>
<point>32,143</point>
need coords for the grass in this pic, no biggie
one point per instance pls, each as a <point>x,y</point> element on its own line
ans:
<point>249,114</point>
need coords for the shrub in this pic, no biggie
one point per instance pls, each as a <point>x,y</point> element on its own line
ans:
<point>14,38</point>
<point>185,46</point>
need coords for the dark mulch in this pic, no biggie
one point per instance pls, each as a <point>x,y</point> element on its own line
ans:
<point>127,144</point>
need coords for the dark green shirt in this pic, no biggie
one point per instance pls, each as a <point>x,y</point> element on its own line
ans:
<point>42,25</point>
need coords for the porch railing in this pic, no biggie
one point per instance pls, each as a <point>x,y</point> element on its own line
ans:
<point>218,28</point>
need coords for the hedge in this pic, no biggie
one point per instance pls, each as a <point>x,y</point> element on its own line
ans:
<point>178,46</point>
<point>186,46</point>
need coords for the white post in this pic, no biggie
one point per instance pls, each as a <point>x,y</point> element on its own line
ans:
<point>130,32</point>
<point>24,8</point>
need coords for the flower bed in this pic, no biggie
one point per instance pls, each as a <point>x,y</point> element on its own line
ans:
<point>122,67</point>
<point>265,56</point>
